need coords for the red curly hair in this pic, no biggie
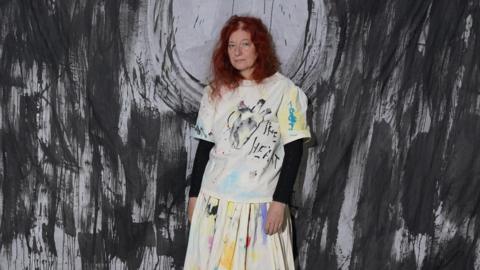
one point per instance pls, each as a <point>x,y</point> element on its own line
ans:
<point>224,74</point>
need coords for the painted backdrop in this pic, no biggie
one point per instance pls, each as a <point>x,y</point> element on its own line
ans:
<point>98,100</point>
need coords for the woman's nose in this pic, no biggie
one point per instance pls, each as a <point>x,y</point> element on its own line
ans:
<point>237,50</point>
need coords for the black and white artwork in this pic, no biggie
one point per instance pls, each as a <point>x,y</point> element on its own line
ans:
<point>99,97</point>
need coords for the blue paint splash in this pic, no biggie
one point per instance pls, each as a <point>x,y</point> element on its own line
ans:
<point>292,120</point>
<point>229,181</point>
<point>263,209</point>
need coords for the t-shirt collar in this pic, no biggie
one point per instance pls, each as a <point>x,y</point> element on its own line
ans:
<point>253,83</point>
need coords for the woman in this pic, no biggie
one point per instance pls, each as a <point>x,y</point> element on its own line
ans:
<point>250,127</point>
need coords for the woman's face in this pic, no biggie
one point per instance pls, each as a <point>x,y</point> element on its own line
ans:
<point>242,53</point>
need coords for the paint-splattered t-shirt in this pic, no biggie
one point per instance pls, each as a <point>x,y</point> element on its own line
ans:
<point>249,127</point>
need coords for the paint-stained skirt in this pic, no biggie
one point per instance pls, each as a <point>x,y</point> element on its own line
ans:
<point>231,235</point>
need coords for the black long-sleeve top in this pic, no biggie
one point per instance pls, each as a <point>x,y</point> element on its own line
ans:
<point>288,171</point>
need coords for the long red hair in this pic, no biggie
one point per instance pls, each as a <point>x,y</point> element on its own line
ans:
<point>224,74</point>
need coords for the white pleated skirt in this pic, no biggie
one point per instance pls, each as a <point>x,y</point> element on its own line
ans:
<point>231,235</point>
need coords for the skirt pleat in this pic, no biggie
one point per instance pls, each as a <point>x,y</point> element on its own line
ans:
<point>231,235</point>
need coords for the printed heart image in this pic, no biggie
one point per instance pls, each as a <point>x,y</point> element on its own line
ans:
<point>245,121</point>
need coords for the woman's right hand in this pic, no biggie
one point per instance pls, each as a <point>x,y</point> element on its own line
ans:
<point>190,207</point>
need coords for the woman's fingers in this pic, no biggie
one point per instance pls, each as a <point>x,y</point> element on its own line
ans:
<point>269,224</point>
<point>190,207</point>
<point>275,217</point>
<point>273,224</point>
<point>277,227</point>
<point>270,228</point>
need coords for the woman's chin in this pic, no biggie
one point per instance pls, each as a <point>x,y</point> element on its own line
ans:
<point>245,71</point>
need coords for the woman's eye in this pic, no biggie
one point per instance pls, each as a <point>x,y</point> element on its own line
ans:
<point>245,44</point>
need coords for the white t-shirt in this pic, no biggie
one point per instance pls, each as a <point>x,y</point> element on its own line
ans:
<point>249,127</point>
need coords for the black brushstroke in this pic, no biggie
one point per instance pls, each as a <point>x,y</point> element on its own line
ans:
<point>376,221</point>
<point>171,187</point>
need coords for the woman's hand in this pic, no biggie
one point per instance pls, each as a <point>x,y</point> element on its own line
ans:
<point>275,217</point>
<point>190,207</point>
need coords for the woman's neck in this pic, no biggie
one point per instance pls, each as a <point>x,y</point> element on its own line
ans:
<point>247,74</point>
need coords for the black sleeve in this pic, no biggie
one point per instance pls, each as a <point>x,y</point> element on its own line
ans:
<point>288,172</point>
<point>199,164</point>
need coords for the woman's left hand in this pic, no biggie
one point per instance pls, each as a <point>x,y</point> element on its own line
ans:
<point>275,217</point>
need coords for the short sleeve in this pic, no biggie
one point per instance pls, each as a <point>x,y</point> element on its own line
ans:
<point>204,126</point>
<point>292,115</point>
